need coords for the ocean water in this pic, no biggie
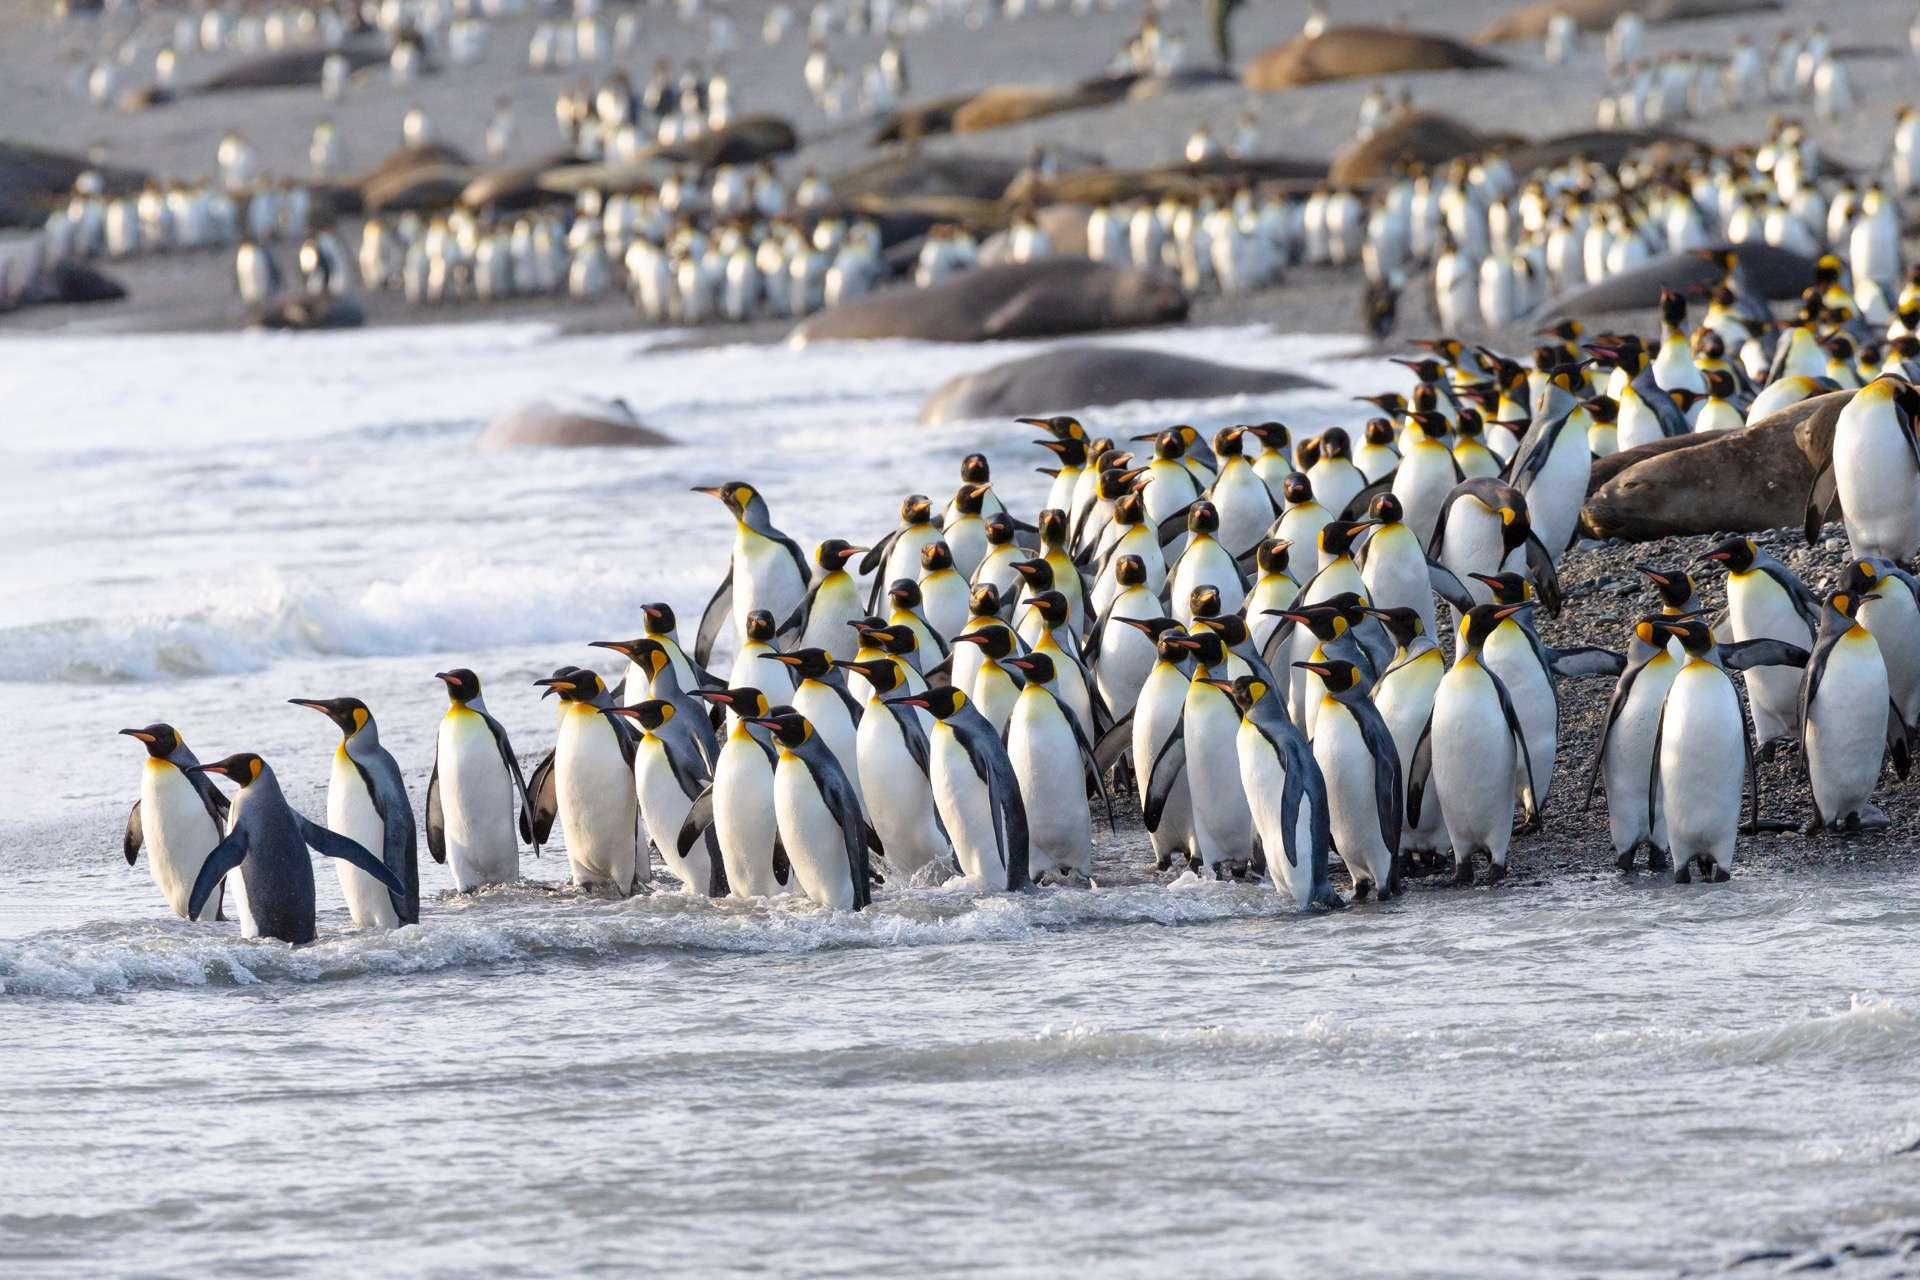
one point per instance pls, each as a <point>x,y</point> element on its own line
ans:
<point>1586,1076</point>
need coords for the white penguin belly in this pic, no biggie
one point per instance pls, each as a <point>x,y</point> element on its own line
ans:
<point>1223,824</point>
<point>967,811</point>
<point>1758,608</point>
<point>663,808</point>
<point>1263,781</point>
<point>1473,764</point>
<point>1510,656</point>
<point>1895,623</point>
<point>1702,759</point>
<point>598,811</point>
<point>1845,737</point>
<point>1046,760</point>
<point>1348,768</point>
<point>812,838</point>
<point>1557,493</point>
<point>1628,765</point>
<point>1879,492</point>
<point>835,606</point>
<point>833,723</point>
<point>1422,484</point>
<point>743,818</point>
<point>1405,701</point>
<point>1397,576</point>
<point>350,812</point>
<point>1205,564</point>
<point>901,799</point>
<point>178,834</point>
<point>1154,719</point>
<point>476,805</point>
<point>764,577</point>
<point>1126,657</point>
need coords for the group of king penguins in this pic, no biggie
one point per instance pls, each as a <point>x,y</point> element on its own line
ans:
<point>1245,632</point>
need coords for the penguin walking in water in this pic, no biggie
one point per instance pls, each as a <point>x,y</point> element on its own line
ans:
<point>825,615</point>
<point>471,793</point>
<point>738,805</point>
<point>1700,757</point>
<point>831,712</point>
<point>587,781</point>
<point>1156,719</point>
<point>1404,696</point>
<point>1361,770</point>
<point>765,571</point>
<point>1195,754</point>
<point>821,824</point>
<point>668,776</point>
<point>975,790</point>
<point>1473,751</point>
<point>1286,795</point>
<point>896,771</point>
<point>367,803</point>
<point>267,843</point>
<point>1874,472</point>
<point>1765,601</point>
<point>178,819</point>
<point>1046,747</point>
<point>1844,699</point>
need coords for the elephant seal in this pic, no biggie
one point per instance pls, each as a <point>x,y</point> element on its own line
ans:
<point>1770,271</point>
<point>309,312</point>
<point>1723,482</point>
<point>514,186</point>
<point>922,120</point>
<point>1104,186</point>
<point>294,68</point>
<point>1065,226</point>
<point>1018,300</point>
<point>1427,137</point>
<point>1529,22</point>
<point>907,177</point>
<point>1344,53</point>
<point>430,186</point>
<point>34,179</point>
<point>747,140</point>
<point>1076,377</point>
<point>581,422</point>
<point>1011,104</point>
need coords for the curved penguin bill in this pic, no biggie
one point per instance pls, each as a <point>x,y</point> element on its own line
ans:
<point>183,759</point>
<point>386,788</point>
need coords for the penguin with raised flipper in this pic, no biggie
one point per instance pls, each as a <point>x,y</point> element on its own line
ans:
<point>179,818</point>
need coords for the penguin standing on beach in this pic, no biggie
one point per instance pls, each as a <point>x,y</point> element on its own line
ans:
<point>765,571</point>
<point>367,803</point>
<point>178,819</point>
<point>267,843</point>
<point>1700,757</point>
<point>820,820</point>
<point>1361,769</point>
<point>1890,609</point>
<point>1765,601</point>
<point>1843,699</point>
<point>1404,694</point>
<point>476,781</point>
<point>1286,796</point>
<point>975,789</point>
<point>1874,472</point>
<point>1484,528</point>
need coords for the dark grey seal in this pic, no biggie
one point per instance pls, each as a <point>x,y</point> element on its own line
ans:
<point>1075,377</point>
<point>576,423</point>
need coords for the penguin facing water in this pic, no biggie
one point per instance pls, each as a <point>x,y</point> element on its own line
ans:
<point>975,790</point>
<point>472,790</point>
<point>820,820</point>
<point>1286,796</point>
<point>179,818</point>
<point>367,803</point>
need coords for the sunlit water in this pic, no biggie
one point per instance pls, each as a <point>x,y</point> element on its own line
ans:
<point>1585,1077</point>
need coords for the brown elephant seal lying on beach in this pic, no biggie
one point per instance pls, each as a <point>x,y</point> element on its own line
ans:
<point>1722,482</point>
<point>1764,269</point>
<point>1018,300</point>
<point>1344,53</point>
<point>572,423</point>
<point>1076,377</point>
<point>1529,22</point>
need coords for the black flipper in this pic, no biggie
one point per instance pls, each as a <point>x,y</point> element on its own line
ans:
<point>717,884</point>
<point>1168,768</point>
<point>1172,527</point>
<point>1419,771</point>
<point>1546,579</point>
<point>698,820</point>
<point>135,834</point>
<point>513,767</point>
<point>1622,690</point>
<point>436,820</point>
<point>335,845</point>
<point>1113,744</point>
<point>1356,507</point>
<point>543,803</point>
<point>1744,655</point>
<point>1584,660</point>
<point>1897,742</point>
<point>226,855</point>
<point>1530,800</point>
<point>713,618</point>
<point>914,734</point>
<point>1448,586</point>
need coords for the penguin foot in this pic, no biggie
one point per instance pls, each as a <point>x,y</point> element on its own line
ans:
<point>1530,825</point>
<point>1658,859</point>
<point>1719,874</point>
<point>1463,872</point>
<point>1496,872</point>
<point>1362,890</point>
<point>1870,818</point>
<point>1811,827</point>
<point>1683,873</point>
<point>1628,860</point>
<point>1162,863</point>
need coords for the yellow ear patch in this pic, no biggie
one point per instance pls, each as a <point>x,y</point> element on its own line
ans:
<point>253,770</point>
<point>359,719</point>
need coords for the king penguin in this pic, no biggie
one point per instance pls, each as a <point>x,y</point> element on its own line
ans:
<point>367,803</point>
<point>1365,788</point>
<point>668,776</point>
<point>1286,796</point>
<point>179,817</point>
<point>824,617</point>
<point>1404,694</point>
<point>1874,472</point>
<point>738,806</point>
<point>1765,601</point>
<point>588,782</point>
<point>1847,720</point>
<point>1700,753</point>
<point>476,781</point>
<point>1047,747</point>
<point>1203,747</point>
<point>820,820</point>
<point>893,753</point>
<point>267,842</point>
<point>975,790</point>
<point>766,570</point>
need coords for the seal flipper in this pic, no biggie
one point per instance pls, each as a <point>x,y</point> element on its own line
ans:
<point>226,855</point>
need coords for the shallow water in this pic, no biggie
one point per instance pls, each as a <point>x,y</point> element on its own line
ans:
<point>1588,1076</point>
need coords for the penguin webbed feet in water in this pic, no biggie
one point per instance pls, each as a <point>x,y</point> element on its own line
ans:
<point>1496,872</point>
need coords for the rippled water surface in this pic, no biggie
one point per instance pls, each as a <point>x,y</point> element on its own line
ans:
<point>1586,1076</point>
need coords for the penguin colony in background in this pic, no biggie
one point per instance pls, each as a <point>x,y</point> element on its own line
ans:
<point>1247,635</point>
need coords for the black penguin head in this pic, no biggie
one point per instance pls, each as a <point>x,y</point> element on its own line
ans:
<point>1337,536</point>
<point>1037,667</point>
<point>975,470</point>
<point>1565,330</point>
<point>1052,525</point>
<point>1738,554</point>
<point>904,593</point>
<point>1447,348</point>
<point>1479,623</point>
<point>574,684</point>
<point>940,703</point>
<point>790,728</point>
<point>1386,509</point>
<point>1230,627</point>
<point>1335,443</point>
<point>1272,435</point>
<point>884,674</point>
<point>1402,622</point>
<point>1169,639</point>
<point>1072,453</point>
<point>1826,271</point>
<point>1507,588</point>
<point>350,714</point>
<point>1306,453</point>
<point>760,627</point>
<point>1391,403</point>
<point>1207,649</point>
<point>1425,399</point>
<point>1336,675</point>
<point>659,619</point>
<point>1116,482</point>
<point>969,499</point>
<point>1130,571</point>
<point>1378,431</point>
<point>1272,554</point>
<point>1204,600</point>
<point>996,639</point>
<point>744,701</point>
<point>1604,409</point>
<point>984,601</point>
<point>1038,573</point>
<point>1249,691</point>
<point>1051,606</point>
<point>1228,442</point>
<point>1862,578</point>
<point>1709,345</point>
<point>1296,489</point>
<point>1692,633</point>
<point>1432,424</point>
<point>1674,586</point>
<point>834,553</point>
<point>1061,427</point>
<point>1427,369</point>
<point>935,557</point>
<point>646,653</point>
<point>160,739</point>
<point>650,714</point>
<point>462,685</point>
<point>741,498</point>
<point>1129,509</point>
<point>1000,529</point>
<point>807,664</point>
<point>1647,631</point>
<point>1673,307</point>
<point>916,508</point>
<point>244,767</point>
<point>1469,426</point>
<point>1202,517</point>
<point>1845,603</point>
